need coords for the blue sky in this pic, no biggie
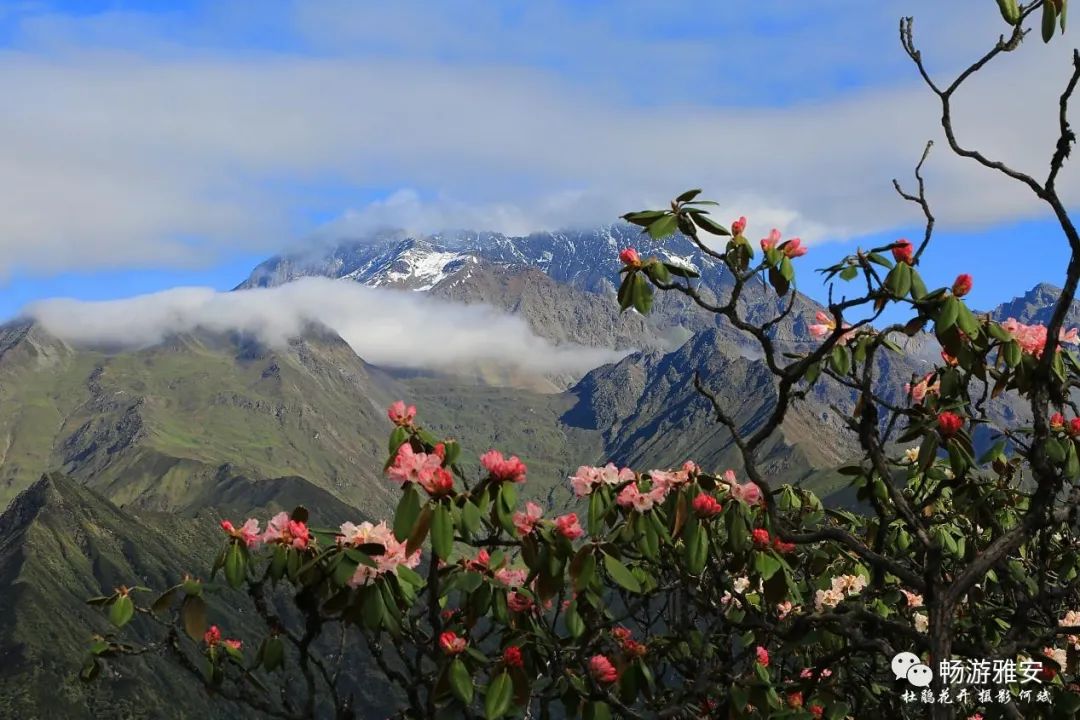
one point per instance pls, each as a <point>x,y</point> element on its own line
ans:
<point>158,144</point>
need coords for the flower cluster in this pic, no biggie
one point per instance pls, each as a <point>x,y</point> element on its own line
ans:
<point>509,469</point>
<point>792,248</point>
<point>283,530</point>
<point>587,479</point>
<point>401,415</point>
<point>1032,338</point>
<point>825,325</point>
<point>842,587</point>
<point>248,533</point>
<point>425,469</point>
<point>393,555</point>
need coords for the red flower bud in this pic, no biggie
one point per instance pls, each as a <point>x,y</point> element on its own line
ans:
<point>1057,421</point>
<point>706,506</point>
<point>602,670</point>
<point>629,256</point>
<point>761,537</point>
<point>962,285</point>
<point>903,251</point>
<point>738,226</point>
<point>512,657</point>
<point>451,644</point>
<point>1074,427</point>
<point>949,424</point>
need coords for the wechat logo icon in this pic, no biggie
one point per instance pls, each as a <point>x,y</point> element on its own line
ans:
<point>907,666</point>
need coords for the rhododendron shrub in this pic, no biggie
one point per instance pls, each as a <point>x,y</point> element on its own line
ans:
<point>692,591</point>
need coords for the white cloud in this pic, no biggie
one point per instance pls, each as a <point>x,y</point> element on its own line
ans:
<point>163,156</point>
<point>385,327</point>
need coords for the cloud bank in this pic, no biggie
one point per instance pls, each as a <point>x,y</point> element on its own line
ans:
<point>384,327</point>
<point>129,146</point>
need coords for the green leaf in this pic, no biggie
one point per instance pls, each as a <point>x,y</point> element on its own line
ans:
<point>460,681</point>
<point>966,321</point>
<point>840,360</point>
<point>642,294</point>
<point>787,269</point>
<point>688,195</point>
<point>273,653</point>
<point>442,532</point>
<point>697,547</point>
<point>499,694</point>
<point>710,226</point>
<point>470,518</point>
<point>235,565</point>
<point>950,311</point>
<point>766,564</point>
<point>408,510</point>
<point>193,615</point>
<point>164,601</point>
<point>663,227</point>
<point>597,710</point>
<point>397,439</point>
<point>122,611</point>
<point>574,624</point>
<point>626,288</point>
<point>681,270</point>
<point>1049,21</point>
<point>621,574</point>
<point>918,287</point>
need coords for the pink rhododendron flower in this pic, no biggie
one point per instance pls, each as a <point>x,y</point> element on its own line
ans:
<point>749,493</point>
<point>1032,338</point>
<point>903,251</point>
<point>632,497</point>
<point>962,285</point>
<point>793,248</point>
<point>401,415</point>
<point>586,479</point>
<point>392,556</point>
<point>567,526</point>
<point>509,469</point>
<point>234,644</point>
<point>525,521</point>
<point>738,226</point>
<point>285,531</point>
<point>249,532</point>
<point>519,602</point>
<point>512,577</point>
<point>761,655</point>
<point>439,482</point>
<point>629,256</point>
<point>602,670</point>
<point>772,241</point>
<point>914,600</point>
<point>451,644</point>
<point>921,389</point>
<point>411,466</point>
<point>825,326</point>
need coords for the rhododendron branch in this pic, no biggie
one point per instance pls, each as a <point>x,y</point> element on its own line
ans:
<point>920,199</point>
<point>1067,138</point>
<point>945,96</point>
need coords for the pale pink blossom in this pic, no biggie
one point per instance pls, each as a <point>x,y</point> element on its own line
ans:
<point>824,326</point>
<point>512,577</point>
<point>411,466</point>
<point>586,479</point>
<point>921,389</point>
<point>914,600</point>
<point>401,415</point>
<point>283,530</point>
<point>525,521</point>
<point>632,497</point>
<point>772,241</point>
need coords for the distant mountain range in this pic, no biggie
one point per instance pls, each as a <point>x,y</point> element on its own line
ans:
<point>150,446</point>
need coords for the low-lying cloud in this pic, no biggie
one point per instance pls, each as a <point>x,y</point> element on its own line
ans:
<point>385,327</point>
